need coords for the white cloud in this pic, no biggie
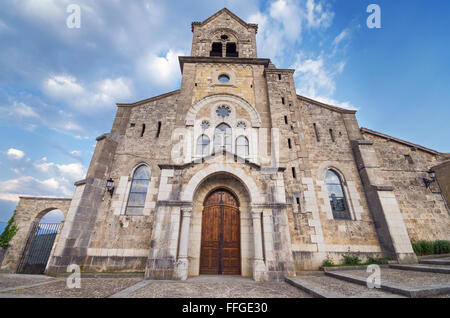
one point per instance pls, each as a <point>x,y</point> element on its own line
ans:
<point>18,110</point>
<point>74,171</point>
<point>161,70</point>
<point>56,181</point>
<point>9,197</point>
<point>317,16</point>
<point>63,87</point>
<point>290,15</point>
<point>343,35</point>
<point>102,94</point>
<point>315,79</point>
<point>29,186</point>
<point>24,110</point>
<point>281,27</point>
<point>15,154</point>
<point>47,10</point>
<point>109,91</point>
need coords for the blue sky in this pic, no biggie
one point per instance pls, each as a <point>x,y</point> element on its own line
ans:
<point>59,86</point>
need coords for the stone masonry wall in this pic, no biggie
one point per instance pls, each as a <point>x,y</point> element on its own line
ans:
<point>121,242</point>
<point>315,233</point>
<point>424,211</point>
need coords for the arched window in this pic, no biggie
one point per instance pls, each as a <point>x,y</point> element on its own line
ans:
<point>337,196</point>
<point>203,145</point>
<point>232,50</point>
<point>242,147</point>
<point>216,49</point>
<point>138,191</point>
<point>222,138</point>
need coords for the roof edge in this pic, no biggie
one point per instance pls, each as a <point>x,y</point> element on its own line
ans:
<point>226,10</point>
<point>400,141</point>
<point>151,99</point>
<point>331,107</point>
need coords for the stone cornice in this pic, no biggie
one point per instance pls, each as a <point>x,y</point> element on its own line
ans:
<point>222,60</point>
<point>205,160</point>
<point>278,70</point>
<point>44,198</point>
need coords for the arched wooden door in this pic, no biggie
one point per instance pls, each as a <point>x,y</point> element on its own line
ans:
<point>220,249</point>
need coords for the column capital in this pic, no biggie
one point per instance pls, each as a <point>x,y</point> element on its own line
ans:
<point>256,212</point>
<point>186,211</point>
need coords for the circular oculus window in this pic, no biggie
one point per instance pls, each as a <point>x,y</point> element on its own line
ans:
<point>224,78</point>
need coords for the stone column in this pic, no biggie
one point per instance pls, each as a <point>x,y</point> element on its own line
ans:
<point>183,262</point>
<point>259,267</point>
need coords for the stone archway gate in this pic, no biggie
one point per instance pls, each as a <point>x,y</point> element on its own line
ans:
<point>29,211</point>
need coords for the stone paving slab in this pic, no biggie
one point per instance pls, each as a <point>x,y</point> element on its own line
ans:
<point>334,287</point>
<point>216,287</point>
<point>90,288</point>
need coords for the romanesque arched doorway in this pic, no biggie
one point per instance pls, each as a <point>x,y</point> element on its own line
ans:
<point>221,243</point>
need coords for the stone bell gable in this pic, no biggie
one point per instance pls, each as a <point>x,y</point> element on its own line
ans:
<point>225,35</point>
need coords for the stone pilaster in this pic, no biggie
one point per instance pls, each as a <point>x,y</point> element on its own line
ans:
<point>259,266</point>
<point>183,261</point>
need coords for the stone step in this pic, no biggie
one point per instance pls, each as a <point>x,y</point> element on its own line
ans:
<point>437,261</point>
<point>407,283</point>
<point>423,268</point>
<point>321,286</point>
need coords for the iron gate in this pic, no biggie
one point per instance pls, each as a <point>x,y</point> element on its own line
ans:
<point>38,248</point>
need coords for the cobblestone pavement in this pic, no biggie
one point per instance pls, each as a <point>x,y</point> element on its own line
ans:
<point>340,287</point>
<point>90,288</point>
<point>406,278</point>
<point>207,286</point>
<point>218,287</point>
<point>11,281</point>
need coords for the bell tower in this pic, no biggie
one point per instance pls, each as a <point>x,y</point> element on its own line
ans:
<point>224,35</point>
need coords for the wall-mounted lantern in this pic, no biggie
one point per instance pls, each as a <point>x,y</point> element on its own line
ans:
<point>428,182</point>
<point>110,186</point>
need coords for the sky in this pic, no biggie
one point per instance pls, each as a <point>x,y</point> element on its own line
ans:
<point>59,85</point>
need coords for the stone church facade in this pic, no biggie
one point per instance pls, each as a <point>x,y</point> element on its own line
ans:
<point>235,173</point>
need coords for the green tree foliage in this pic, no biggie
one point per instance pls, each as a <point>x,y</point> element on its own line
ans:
<point>8,233</point>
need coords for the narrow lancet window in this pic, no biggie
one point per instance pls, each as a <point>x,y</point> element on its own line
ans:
<point>138,191</point>
<point>203,145</point>
<point>242,147</point>
<point>337,197</point>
